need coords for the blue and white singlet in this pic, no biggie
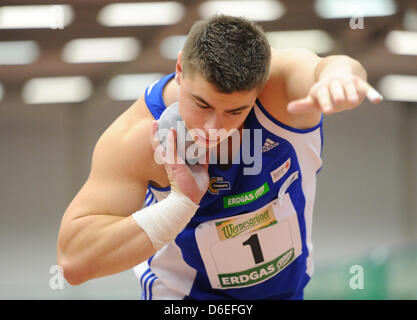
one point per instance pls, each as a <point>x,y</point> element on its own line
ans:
<point>251,236</point>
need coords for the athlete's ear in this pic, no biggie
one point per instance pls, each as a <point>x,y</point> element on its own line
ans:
<point>178,69</point>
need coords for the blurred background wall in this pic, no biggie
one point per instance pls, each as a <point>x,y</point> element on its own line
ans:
<point>69,69</point>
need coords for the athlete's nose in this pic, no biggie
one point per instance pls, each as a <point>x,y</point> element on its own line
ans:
<point>214,122</point>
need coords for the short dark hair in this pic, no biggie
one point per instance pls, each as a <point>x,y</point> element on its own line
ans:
<point>232,53</point>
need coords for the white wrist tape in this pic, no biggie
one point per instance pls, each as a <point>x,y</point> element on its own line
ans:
<point>164,220</point>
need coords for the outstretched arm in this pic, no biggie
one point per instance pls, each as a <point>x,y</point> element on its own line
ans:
<point>316,85</point>
<point>340,85</point>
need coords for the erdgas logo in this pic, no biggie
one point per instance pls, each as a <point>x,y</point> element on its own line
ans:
<point>245,198</point>
<point>288,256</point>
<point>258,273</point>
<point>259,192</point>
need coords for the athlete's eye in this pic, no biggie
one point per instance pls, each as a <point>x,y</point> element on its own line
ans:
<point>202,106</point>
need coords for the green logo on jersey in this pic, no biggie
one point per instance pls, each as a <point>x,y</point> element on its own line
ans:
<point>245,198</point>
<point>258,273</point>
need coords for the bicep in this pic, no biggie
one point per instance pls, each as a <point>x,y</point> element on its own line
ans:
<point>103,196</point>
<point>117,182</point>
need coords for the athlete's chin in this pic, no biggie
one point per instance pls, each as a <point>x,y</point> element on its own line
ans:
<point>205,143</point>
<point>203,140</point>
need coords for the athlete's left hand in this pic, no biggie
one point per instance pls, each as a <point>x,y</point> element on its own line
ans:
<point>335,94</point>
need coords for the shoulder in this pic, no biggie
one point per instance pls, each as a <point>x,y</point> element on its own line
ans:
<point>291,77</point>
<point>127,141</point>
<point>285,61</point>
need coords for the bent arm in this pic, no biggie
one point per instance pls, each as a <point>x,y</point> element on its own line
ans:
<point>98,236</point>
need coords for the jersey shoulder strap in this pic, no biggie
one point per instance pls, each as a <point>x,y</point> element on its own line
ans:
<point>153,96</point>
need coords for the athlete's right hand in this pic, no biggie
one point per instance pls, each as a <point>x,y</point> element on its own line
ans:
<point>190,181</point>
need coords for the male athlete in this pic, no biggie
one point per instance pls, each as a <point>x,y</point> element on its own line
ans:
<point>224,234</point>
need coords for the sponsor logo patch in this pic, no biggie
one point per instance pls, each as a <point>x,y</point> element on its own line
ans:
<point>257,274</point>
<point>279,172</point>
<point>231,228</point>
<point>245,198</point>
<point>217,184</point>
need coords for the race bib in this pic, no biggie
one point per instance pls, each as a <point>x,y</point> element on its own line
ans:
<point>247,249</point>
